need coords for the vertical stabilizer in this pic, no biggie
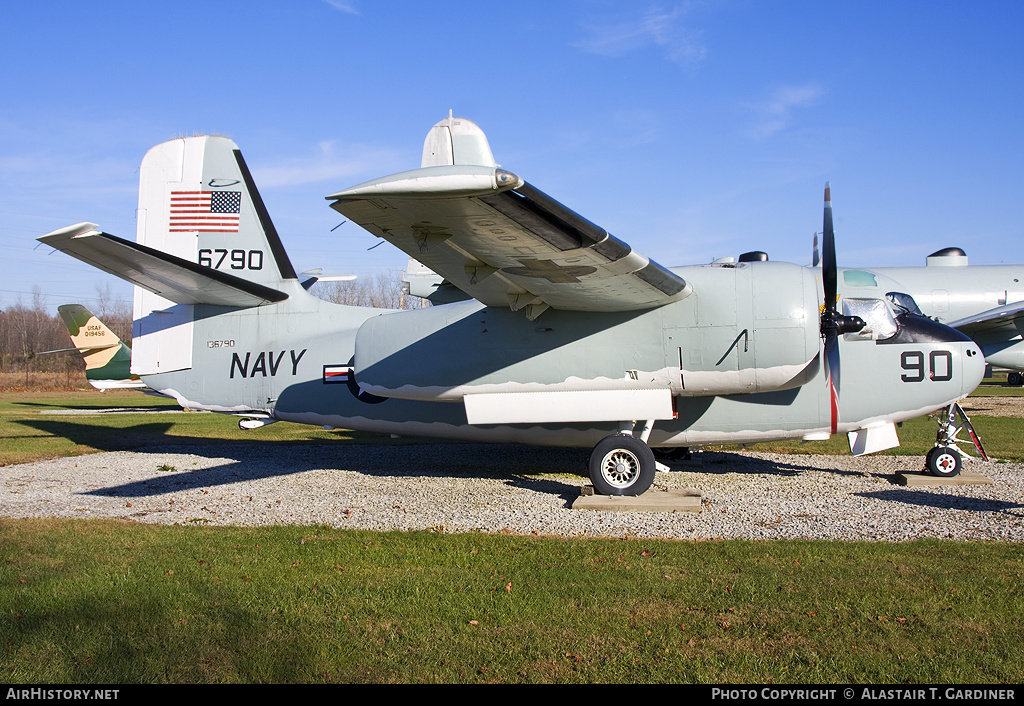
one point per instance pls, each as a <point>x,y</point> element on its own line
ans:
<point>197,201</point>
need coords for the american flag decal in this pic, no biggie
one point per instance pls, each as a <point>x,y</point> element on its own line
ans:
<point>205,211</point>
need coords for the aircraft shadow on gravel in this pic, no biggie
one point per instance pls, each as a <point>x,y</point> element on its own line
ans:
<point>251,459</point>
<point>940,501</point>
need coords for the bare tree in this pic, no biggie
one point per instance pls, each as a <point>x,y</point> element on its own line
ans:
<point>26,331</point>
<point>383,291</point>
<point>113,311</point>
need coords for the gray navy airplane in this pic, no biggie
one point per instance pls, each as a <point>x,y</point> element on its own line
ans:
<point>569,336</point>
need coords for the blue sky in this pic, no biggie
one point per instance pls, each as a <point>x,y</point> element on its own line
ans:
<point>691,130</point>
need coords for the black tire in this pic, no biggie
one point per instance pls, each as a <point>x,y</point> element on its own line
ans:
<point>622,465</point>
<point>1014,379</point>
<point>943,461</point>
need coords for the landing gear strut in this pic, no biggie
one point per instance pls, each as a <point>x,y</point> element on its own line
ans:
<point>945,459</point>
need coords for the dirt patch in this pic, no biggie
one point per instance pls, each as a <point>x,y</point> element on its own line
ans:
<point>994,406</point>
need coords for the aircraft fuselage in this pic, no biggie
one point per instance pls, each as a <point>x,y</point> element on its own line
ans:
<point>754,374</point>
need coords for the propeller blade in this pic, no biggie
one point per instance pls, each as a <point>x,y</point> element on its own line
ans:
<point>832,322</point>
<point>828,253</point>
<point>832,363</point>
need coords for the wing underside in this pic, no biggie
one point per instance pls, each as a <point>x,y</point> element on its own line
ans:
<point>506,243</point>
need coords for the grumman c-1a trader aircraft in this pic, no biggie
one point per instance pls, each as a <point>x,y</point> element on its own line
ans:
<point>571,338</point>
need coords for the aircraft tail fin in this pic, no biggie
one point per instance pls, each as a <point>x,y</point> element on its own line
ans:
<point>198,201</point>
<point>204,234</point>
<point>204,238</point>
<point>107,357</point>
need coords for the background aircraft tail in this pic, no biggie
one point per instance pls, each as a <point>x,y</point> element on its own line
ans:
<point>107,358</point>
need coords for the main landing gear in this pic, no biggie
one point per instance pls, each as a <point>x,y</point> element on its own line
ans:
<point>623,463</point>
<point>945,459</point>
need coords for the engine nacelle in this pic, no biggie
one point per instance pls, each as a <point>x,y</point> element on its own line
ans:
<point>747,328</point>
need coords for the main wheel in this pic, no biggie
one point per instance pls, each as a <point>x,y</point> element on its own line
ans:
<point>622,465</point>
<point>943,461</point>
<point>1014,379</point>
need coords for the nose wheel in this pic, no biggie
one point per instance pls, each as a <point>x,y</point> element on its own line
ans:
<point>946,458</point>
<point>943,461</point>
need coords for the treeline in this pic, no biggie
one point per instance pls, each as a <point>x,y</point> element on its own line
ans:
<point>28,332</point>
<point>34,342</point>
<point>381,291</point>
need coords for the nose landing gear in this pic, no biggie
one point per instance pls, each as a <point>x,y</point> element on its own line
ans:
<point>945,459</point>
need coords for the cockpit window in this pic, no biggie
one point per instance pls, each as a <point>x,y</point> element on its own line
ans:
<point>880,323</point>
<point>859,278</point>
<point>904,303</point>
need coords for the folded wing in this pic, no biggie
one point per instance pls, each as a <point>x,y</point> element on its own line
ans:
<point>504,242</point>
<point>1007,319</point>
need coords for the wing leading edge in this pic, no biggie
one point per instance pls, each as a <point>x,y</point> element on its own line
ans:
<point>1004,319</point>
<point>171,277</point>
<point>506,243</point>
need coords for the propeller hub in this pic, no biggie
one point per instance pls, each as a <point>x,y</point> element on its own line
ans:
<point>834,324</point>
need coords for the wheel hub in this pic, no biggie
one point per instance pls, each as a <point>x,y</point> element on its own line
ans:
<point>620,468</point>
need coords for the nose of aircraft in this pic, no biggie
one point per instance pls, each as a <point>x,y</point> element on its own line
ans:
<point>973,367</point>
<point>922,330</point>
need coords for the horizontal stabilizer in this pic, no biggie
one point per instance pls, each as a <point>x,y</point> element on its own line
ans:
<point>171,277</point>
<point>82,349</point>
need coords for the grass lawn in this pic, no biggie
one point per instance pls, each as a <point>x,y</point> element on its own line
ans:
<point>104,602</point>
